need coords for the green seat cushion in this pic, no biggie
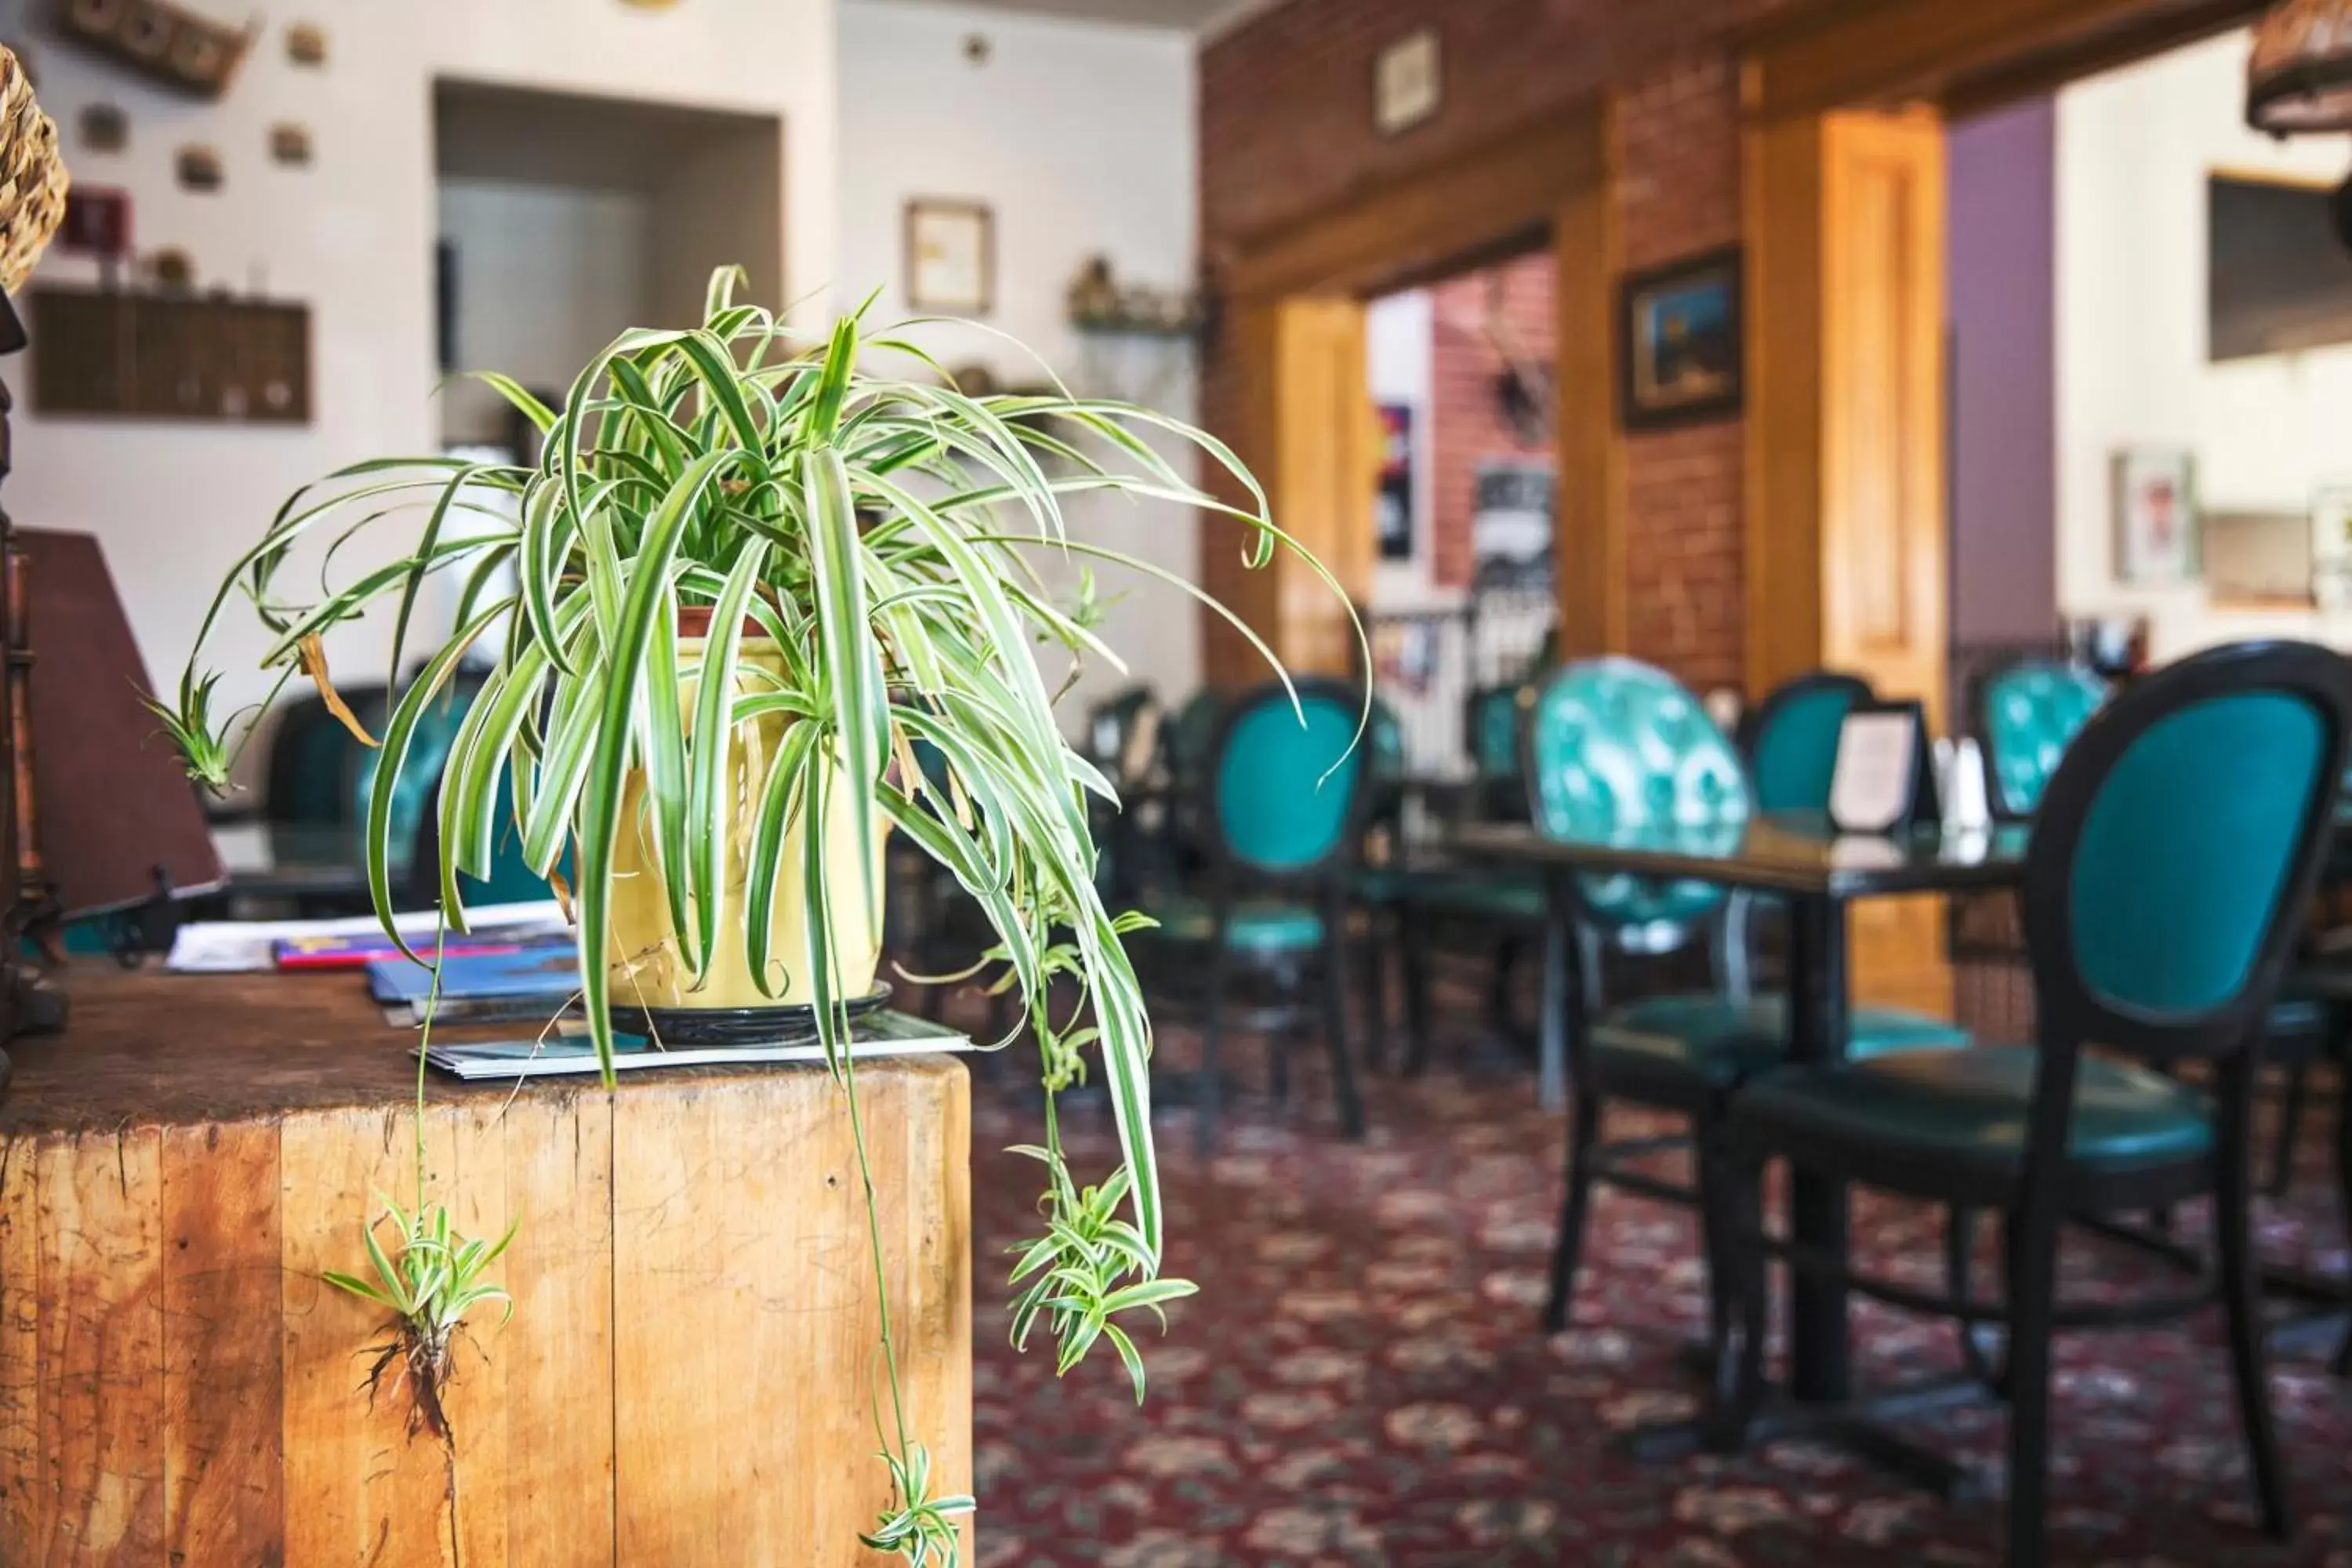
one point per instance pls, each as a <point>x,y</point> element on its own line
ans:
<point>1261,926</point>
<point>1973,1105</point>
<point>1724,1041</point>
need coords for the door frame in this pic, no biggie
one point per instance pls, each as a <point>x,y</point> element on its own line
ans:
<point>1547,183</point>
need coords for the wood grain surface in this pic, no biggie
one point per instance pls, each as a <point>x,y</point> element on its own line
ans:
<point>690,1373</point>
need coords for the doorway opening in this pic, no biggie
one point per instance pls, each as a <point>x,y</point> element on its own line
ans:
<point>1461,374</point>
<point>564,219</point>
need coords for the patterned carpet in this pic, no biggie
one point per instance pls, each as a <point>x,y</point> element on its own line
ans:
<point>1360,1380</point>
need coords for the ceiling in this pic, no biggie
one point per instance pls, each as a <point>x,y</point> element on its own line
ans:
<point>1189,15</point>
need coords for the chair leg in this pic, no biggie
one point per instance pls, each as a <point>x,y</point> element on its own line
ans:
<point>2290,1130</point>
<point>2032,1285</point>
<point>2241,1304</point>
<point>2343,1367</point>
<point>1374,983</point>
<point>1414,944</point>
<point>1723,1218</point>
<point>1335,1030</point>
<point>1213,1033</point>
<point>1959,1260</point>
<point>1583,1128</point>
<point>1739,1375</point>
<point>1500,969</point>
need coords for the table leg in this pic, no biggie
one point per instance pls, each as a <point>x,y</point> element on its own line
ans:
<point>1819,1360</point>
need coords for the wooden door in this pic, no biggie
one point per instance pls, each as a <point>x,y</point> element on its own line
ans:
<point>1846,539</point>
<point>1326,465</point>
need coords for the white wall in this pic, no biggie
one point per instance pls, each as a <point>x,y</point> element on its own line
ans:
<point>547,275</point>
<point>353,234</point>
<point>1398,334</point>
<point>2135,148</point>
<point>1079,136</point>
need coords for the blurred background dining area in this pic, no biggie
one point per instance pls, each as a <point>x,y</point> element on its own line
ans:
<point>1774,985</point>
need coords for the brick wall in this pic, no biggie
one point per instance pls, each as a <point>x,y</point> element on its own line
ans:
<point>1467,422</point>
<point>1678,193</point>
<point>1286,132</point>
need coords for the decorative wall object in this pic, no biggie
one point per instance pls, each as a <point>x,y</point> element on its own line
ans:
<point>1511,524</point>
<point>289,143</point>
<point>950,255</point>
<point>1392,502</point>
<point>33,182</point>
<point>97,223</point>
<point>1680,357</point>
<point>198,167</point>
<point>305,43</point>
<point>2154,502</point>
<point>164,42</point>
<point>158,356</point>
<point>105,127</point>
<point>33,177</point>
<point>173,269</point>
<point>1406,85</point>
<point>1098,302</point>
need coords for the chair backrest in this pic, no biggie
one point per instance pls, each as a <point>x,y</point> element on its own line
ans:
<point>1285,793</point>
<point>1490,728</point>
<point>1122,734</point>
<point>312,758</point>
<point>2027,714</point>
<point>1186,739</point>
<point>1614,747</point>
<point>1790,740</point>
<point>2177,845</point>
<point>420,770</point>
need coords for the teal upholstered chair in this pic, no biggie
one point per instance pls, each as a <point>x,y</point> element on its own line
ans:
<point>312,758</point>
<point>2175,848</point>
<point>2026,715</point>
<point>1616,748</point>
<point>1790,742</point>
<point>1280,816</point>
<point>420,770</point>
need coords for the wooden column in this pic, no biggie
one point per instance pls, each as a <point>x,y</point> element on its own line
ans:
<point>688,1375</point>
<point>1846,550</point>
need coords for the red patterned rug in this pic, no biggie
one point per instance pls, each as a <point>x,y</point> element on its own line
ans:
<point>1361,1381</point>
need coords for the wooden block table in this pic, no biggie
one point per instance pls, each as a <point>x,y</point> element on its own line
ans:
<point>688,1375</point>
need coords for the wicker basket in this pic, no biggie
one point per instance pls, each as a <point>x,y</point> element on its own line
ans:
<point>32,175</point>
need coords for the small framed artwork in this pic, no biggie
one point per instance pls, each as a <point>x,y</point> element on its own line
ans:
<point>951,257</point>
<point>1680,354</point>
<point>2155,500</point>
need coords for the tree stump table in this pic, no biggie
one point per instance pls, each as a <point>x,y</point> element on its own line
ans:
<point>689,1375</point>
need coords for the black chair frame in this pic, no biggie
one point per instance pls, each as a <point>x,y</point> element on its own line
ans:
<point>1324,883</point>
<point>2045,1189</point>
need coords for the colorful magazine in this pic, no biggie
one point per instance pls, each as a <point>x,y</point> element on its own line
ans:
<point>546,972</point>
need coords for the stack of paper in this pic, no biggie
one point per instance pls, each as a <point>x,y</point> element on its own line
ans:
<point>874,1034</point>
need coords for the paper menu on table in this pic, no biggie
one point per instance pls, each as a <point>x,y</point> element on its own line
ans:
<point>1876,757</point>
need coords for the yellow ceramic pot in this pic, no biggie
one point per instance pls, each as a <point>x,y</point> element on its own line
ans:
<point>646,957</point>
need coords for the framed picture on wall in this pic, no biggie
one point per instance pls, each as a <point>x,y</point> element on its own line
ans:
<point>951,257</point>
<point>1392,502</point>
<point>2155,500</point>
<point>1680,356</point>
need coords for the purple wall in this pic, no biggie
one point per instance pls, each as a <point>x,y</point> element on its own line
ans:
<point>2003,262</point>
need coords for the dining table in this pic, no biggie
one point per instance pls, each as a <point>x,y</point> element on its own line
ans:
<point>1817,873</point>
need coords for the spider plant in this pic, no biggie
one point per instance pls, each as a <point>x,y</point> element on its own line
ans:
<point>878,536</point>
